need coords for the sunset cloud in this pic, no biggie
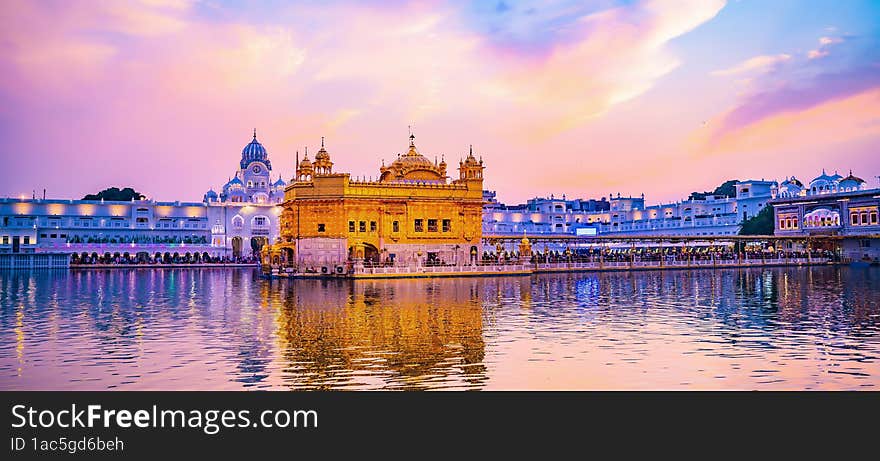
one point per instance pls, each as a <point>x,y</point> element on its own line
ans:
<point>778,97</point>
<point>762,63</point>
<point>174,87</point>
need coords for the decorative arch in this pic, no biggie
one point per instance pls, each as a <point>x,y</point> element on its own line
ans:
<point>260,222</point>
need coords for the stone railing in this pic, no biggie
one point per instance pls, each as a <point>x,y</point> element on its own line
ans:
<point>470,269</point>
<point>597,265</point>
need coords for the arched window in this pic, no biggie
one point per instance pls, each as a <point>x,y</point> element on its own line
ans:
<point>237,222</point>
<point>259,222</point>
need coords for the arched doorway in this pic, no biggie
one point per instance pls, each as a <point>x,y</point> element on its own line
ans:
<point>236,247</point>
<point>371,253</point>
<point>257,245</point>
<point>288,256</point>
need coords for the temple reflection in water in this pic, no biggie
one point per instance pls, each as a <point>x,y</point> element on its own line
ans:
<point>404,333</point>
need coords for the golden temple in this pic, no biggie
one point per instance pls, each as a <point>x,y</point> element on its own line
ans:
<point>412,215</point>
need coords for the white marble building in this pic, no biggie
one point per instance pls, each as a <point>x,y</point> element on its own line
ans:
<point>244,215</point>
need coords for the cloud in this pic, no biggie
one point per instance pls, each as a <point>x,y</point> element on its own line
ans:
<point>799,87</point>
<point>761,63</point>
<point>619,54</point>
<point>825,44</point>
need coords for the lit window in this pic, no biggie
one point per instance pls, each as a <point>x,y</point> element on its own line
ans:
<point>321,227</point>
<point>395,226</point>
<point>372,226</point>
<point>351,226</point>
<point>855,219</point>
<point>362,226</point>
<point>447,225</point>
<point>432,225</point>
<point>419,225</point>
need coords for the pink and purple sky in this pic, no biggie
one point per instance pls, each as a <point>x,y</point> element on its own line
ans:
<point>575,97</point>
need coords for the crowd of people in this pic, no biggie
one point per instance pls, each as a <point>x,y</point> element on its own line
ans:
<point>674,254</point>
<point>156,259</point>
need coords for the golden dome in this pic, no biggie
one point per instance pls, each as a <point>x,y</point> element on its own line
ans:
<point>413,166</point>
<point>322,153</point>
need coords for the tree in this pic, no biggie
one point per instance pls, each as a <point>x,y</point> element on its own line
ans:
<point>726,189</point>
<point>760,224</point>
<point>114,194</point>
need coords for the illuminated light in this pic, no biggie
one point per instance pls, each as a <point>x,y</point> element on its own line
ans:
<point>86,209</point>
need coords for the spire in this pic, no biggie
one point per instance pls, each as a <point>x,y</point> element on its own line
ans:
<point>255,134</point>
<point>322,142</point>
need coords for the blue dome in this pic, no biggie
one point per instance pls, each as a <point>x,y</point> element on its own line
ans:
<point>254,152</point>
<point>210,196</point>
<point>280,182</point>
<point>232,182</point>
<point>824,177</point>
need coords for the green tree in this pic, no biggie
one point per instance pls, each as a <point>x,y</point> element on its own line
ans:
<point>760,224</point>
<point>114,194</point>
<point>726,189</point>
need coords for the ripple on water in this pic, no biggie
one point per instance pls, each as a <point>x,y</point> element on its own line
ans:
<point>781,328</point>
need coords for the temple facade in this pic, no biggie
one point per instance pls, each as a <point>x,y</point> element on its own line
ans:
<point>412,215</point>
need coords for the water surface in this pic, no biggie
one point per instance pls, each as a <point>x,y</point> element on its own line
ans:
<point>776,328</point>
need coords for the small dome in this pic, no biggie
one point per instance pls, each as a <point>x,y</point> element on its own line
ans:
<point>210,196</point>
<point>853,178</point>
<point>234,182</point>
<point>824,177</point>
<point>322,154</point>
<point>470,160</point>
<point>851,183</point>
<point>792,180</point>
<point>279,183</point>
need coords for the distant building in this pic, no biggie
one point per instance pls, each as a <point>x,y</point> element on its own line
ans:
<point>234,223</point>
<point>620,215</point>
<point>831,205</point>
<point>142,227</point>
